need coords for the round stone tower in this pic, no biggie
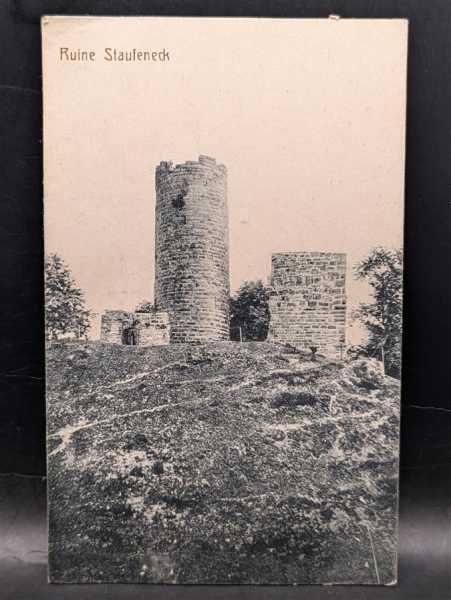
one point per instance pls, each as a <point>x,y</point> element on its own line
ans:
<point>192,249</point>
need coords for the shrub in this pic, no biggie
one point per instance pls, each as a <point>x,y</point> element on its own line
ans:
<point>291,399</point>
<point>367,374</point>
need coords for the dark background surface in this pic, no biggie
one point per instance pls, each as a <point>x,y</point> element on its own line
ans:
<point>425,499</point>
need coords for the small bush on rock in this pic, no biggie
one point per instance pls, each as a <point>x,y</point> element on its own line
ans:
<point>291,399</point>
<point>366,373</point>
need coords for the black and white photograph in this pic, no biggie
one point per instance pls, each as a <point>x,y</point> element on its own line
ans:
<point>223,223</point>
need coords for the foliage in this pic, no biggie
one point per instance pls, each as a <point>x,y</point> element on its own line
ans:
<point>365,373</point>
<point>65,309</point>
<point>293,399</point>
<point>145,307</point>
<point>382,269</point>
<point>249,310</point>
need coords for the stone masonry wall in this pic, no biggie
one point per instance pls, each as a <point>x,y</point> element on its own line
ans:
<point>113,324</point>
<point>153,328</point>
<point>141,329</point>
<point>192,249</point>
<point>308,301</point>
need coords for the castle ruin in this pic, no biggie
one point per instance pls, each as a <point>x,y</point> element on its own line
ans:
<point>192,286</point>
<point>135,328</point>
<point>192,249</point>
<point>307,301</point>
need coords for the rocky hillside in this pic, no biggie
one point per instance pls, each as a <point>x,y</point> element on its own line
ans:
<point>220,463</point>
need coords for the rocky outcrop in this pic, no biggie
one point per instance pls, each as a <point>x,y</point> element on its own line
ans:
<point>226,463</point>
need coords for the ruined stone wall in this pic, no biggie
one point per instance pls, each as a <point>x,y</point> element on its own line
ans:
<point>153,328</point>
<point>113,324</point>
<point>308,301</point>
<point>192,249</point>
<point>142,329</point>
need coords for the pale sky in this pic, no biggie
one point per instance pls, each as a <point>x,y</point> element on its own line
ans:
<point>307,115</point>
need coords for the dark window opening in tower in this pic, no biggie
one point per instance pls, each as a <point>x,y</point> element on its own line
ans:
<point>179,200</point>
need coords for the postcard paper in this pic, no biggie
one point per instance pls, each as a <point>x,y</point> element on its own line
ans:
<point>223,237</point>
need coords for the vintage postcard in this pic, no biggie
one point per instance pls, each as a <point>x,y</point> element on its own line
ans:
<point>223,286</point>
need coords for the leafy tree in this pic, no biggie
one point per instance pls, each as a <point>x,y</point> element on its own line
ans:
<point>145,307</point>
<point>382,269</point>
<point>65,309</point>
<point>249,310</point>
